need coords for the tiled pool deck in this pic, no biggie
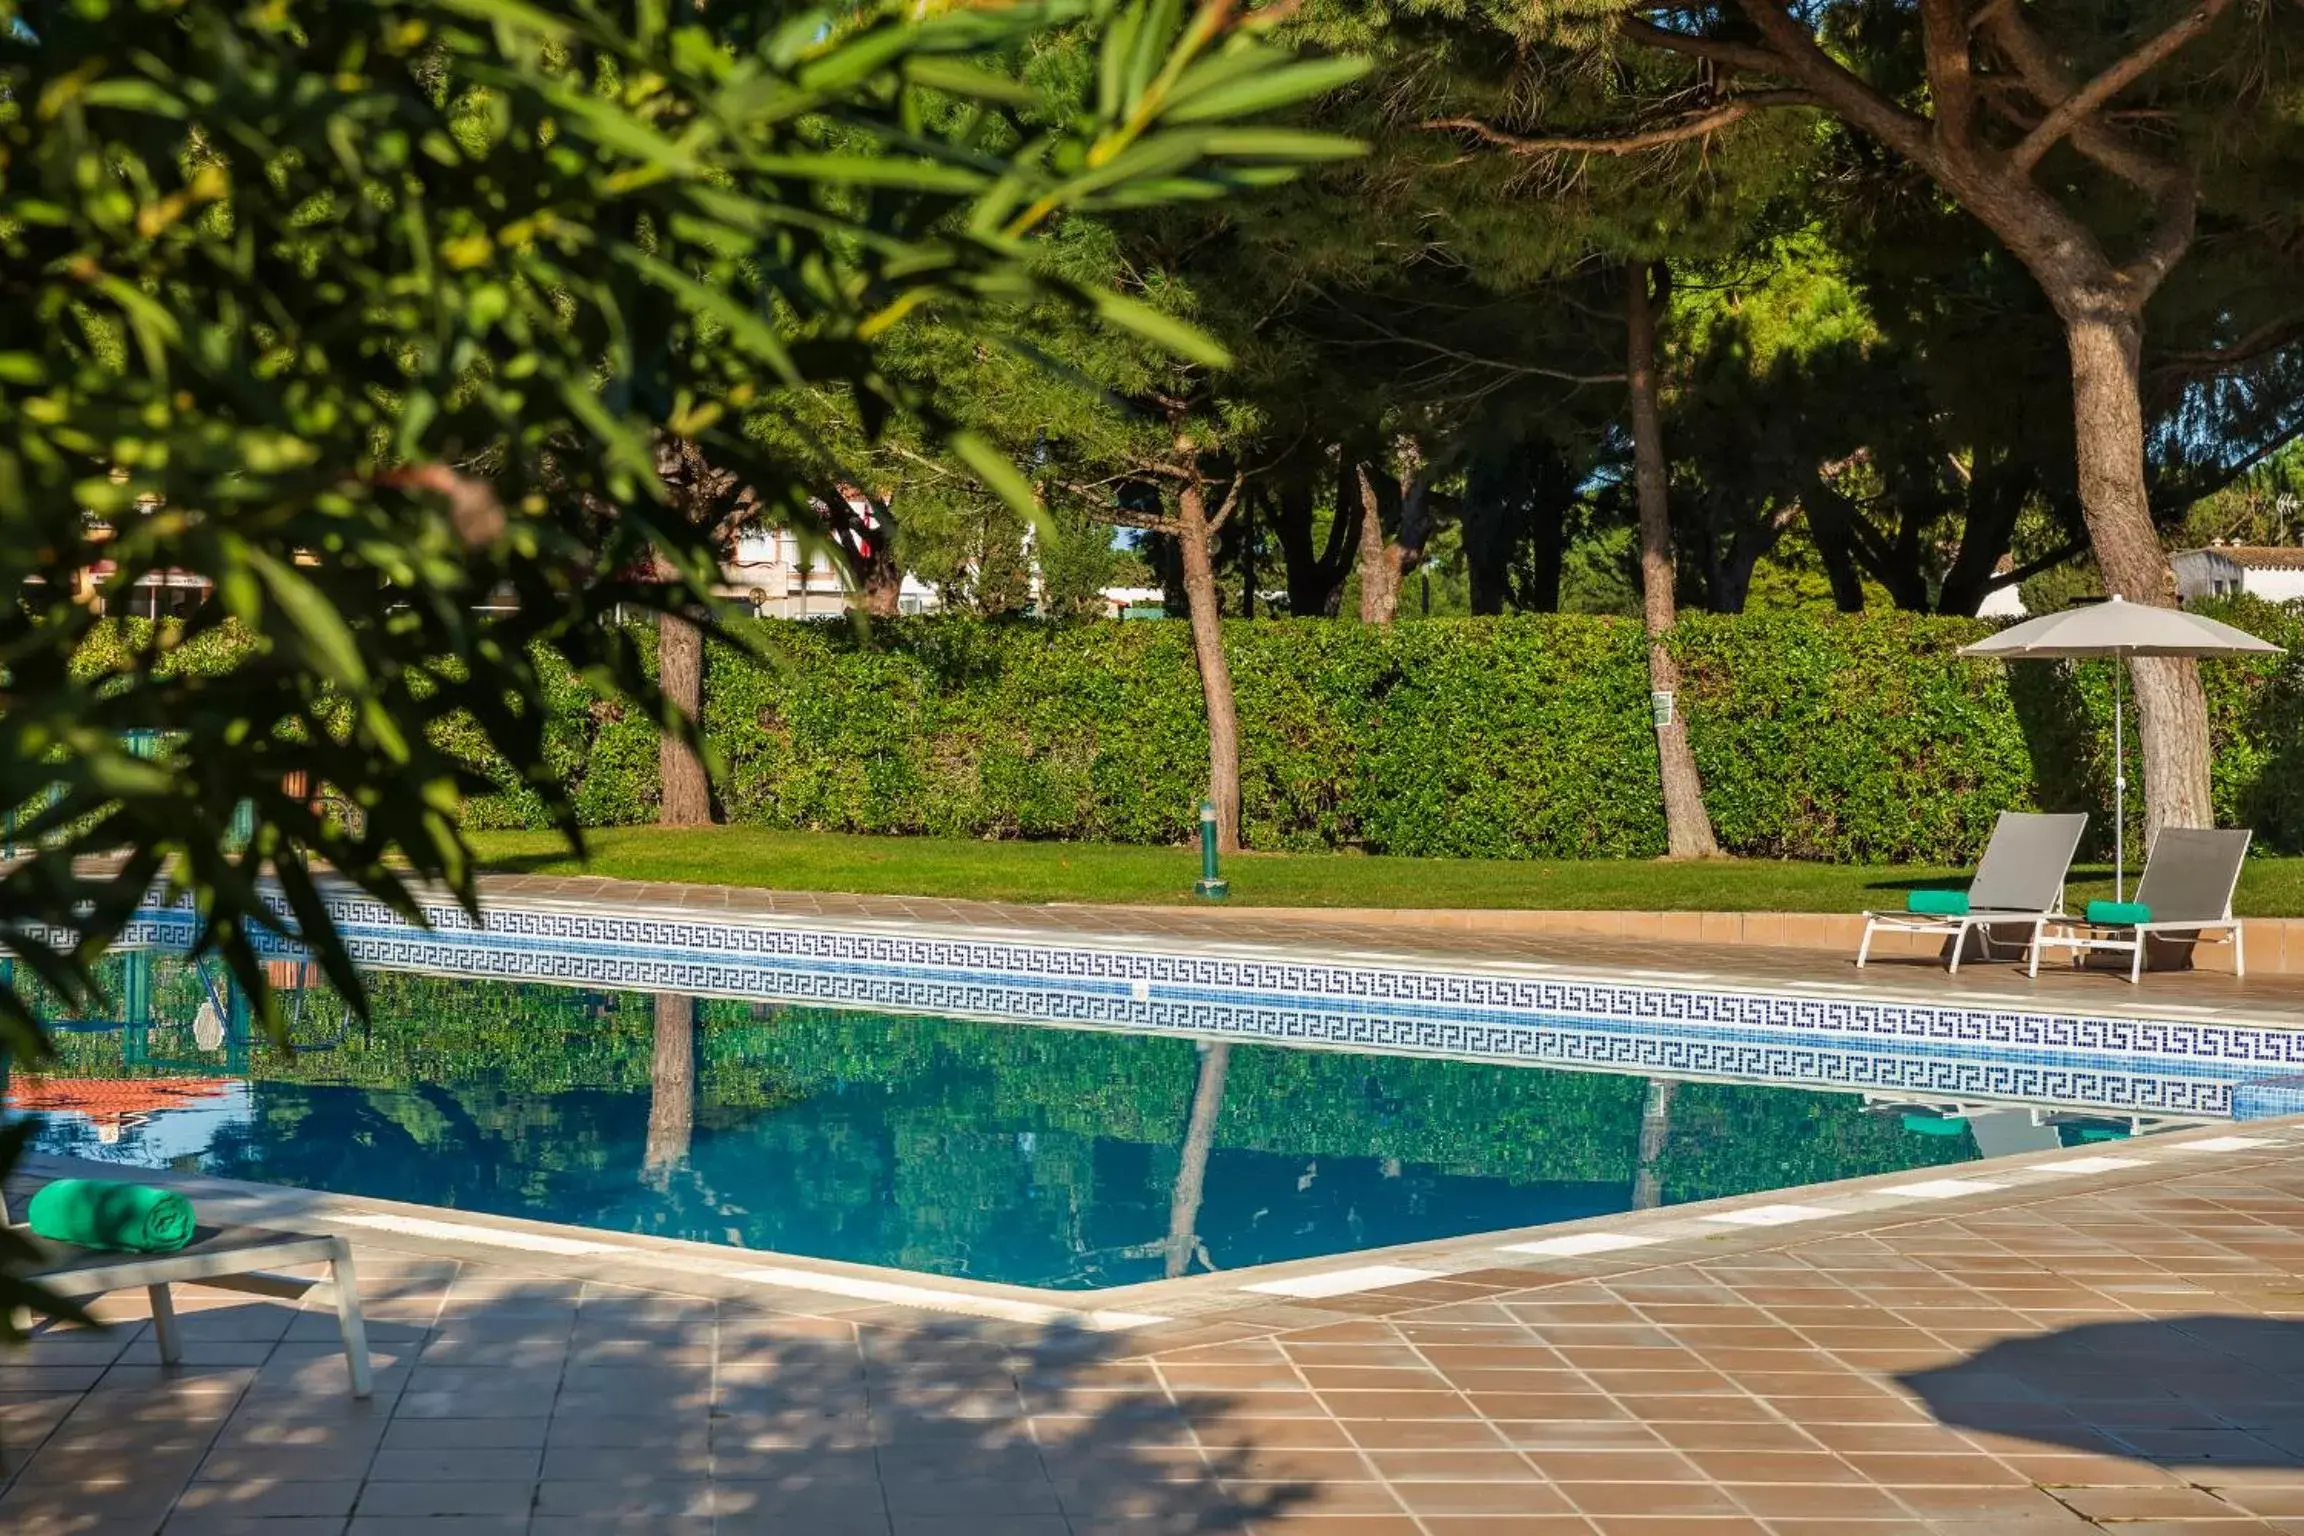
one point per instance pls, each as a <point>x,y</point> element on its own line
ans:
<point>2121,1348</point>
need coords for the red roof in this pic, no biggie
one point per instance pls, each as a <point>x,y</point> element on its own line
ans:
<point>116,1098</point>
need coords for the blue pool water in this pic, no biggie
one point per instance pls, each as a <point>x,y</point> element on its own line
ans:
<point>1018,1153</point>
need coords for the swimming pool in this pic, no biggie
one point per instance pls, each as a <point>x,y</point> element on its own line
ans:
<point>1064,1158</point>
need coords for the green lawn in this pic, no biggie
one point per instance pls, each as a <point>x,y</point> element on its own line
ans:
<point>1100,872</point>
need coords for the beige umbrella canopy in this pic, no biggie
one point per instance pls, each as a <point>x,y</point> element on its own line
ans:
<point>2118,630</point>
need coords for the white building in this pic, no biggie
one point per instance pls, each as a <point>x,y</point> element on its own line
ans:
<point>768,573</point>
<point>2223,570</point>
<point>2002,603</point>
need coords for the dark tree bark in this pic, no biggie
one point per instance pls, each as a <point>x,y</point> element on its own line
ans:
<point>1835,549</point>
<point>1516,504</point>
<point>1192,1172</point>
<point>1687,826</point>
<point>1316,575</point>
<point>671,1085</point>
<point>1248,556</point>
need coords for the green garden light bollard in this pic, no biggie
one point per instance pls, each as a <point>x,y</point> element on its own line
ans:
<point>1211,885</point>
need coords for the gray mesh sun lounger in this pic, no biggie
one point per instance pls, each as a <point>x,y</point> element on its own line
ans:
<point>2019,883</point>
<point>2188,884</point>
<point>226,1258</point>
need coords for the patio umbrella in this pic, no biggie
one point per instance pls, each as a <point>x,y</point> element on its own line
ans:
<point>2118,630</point>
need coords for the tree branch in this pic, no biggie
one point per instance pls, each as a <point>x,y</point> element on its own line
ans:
<point>2171,237</point>
<point>1800,59</point>
<point>1951,78</point>
<point>1230,505</point>
<point>1696,126</point>
<point>2032,568</point>
<point>1734,55</point>
<point>2083,103</point>
<point>2269,337</point>
<point>2036,65</point>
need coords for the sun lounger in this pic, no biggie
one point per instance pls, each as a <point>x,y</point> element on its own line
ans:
<point>2187,887</point>
<point>2019,883</point>
<point>226,1258</point>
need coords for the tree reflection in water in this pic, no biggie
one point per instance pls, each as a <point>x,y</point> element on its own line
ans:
<point>1012,1152</point>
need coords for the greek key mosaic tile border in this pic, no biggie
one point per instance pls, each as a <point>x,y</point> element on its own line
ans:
<point>2168,1066</point>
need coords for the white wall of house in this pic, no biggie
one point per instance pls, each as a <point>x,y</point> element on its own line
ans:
<point>2274,575</point>
<point>2002,603</point>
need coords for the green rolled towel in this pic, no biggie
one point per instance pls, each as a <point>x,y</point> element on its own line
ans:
<point>1937,903</point>
<point>2113,914</point>
<point>104,1213</point>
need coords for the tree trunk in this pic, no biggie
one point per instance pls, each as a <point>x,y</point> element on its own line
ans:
<point>1548,554</point>
<point>1835,548</point>
<point>1248,556</point>
<point>686,794</point>
<point>1687,828</point>
<point>1195,540</point>
<point>1315,576</point>
<point>2106,342</point>
<point>874,543</point>
<point>1379,569</point>
<point>671,1085</point>
<point>1655,1131</point>
<point>1199,1140</point>
<point>1996,494</point>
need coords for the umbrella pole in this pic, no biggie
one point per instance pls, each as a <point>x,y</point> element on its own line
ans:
<point>2119,786</point>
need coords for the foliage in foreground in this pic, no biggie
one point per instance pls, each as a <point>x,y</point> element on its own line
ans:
<point>381,315</point>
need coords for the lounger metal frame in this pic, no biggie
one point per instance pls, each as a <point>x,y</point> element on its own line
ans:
<point>2023,843</point>
<point>224,1258</point>
<point>2084,938</point>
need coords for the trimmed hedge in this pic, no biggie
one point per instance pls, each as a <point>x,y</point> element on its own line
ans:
<point>1854,739</point>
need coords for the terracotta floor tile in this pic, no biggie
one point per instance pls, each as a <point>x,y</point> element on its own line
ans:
<point>1303,1499</point>
<point>2001,1505</point>
<point>1510,1498</point>
<point>1422,1434</point>
<point>1277,1464</point>
<point>1300,1524</point>
<point>1733,1435</point>
<point>1740,1466</point>
<point>2271,1503</point>
<point>2147,1503</point>
<point>1652,1499</point>
<point>1673,1525</point>
<point>2050,1471</point>
<point>1241,1430</point>
<point>1508,1525</point>
<point>1428,1466</point>
<point>1898,1469</point>
<point>1306,1352</point>
<point>1596,1466</point>
<point>1696,1408</point>
<point>1569,1434</point>
<point>1473,1379</point>
<point>1323,1378</point>
<point>1818,1501</point>
<point>1353,1404</point>
<point>1547,1405</point>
